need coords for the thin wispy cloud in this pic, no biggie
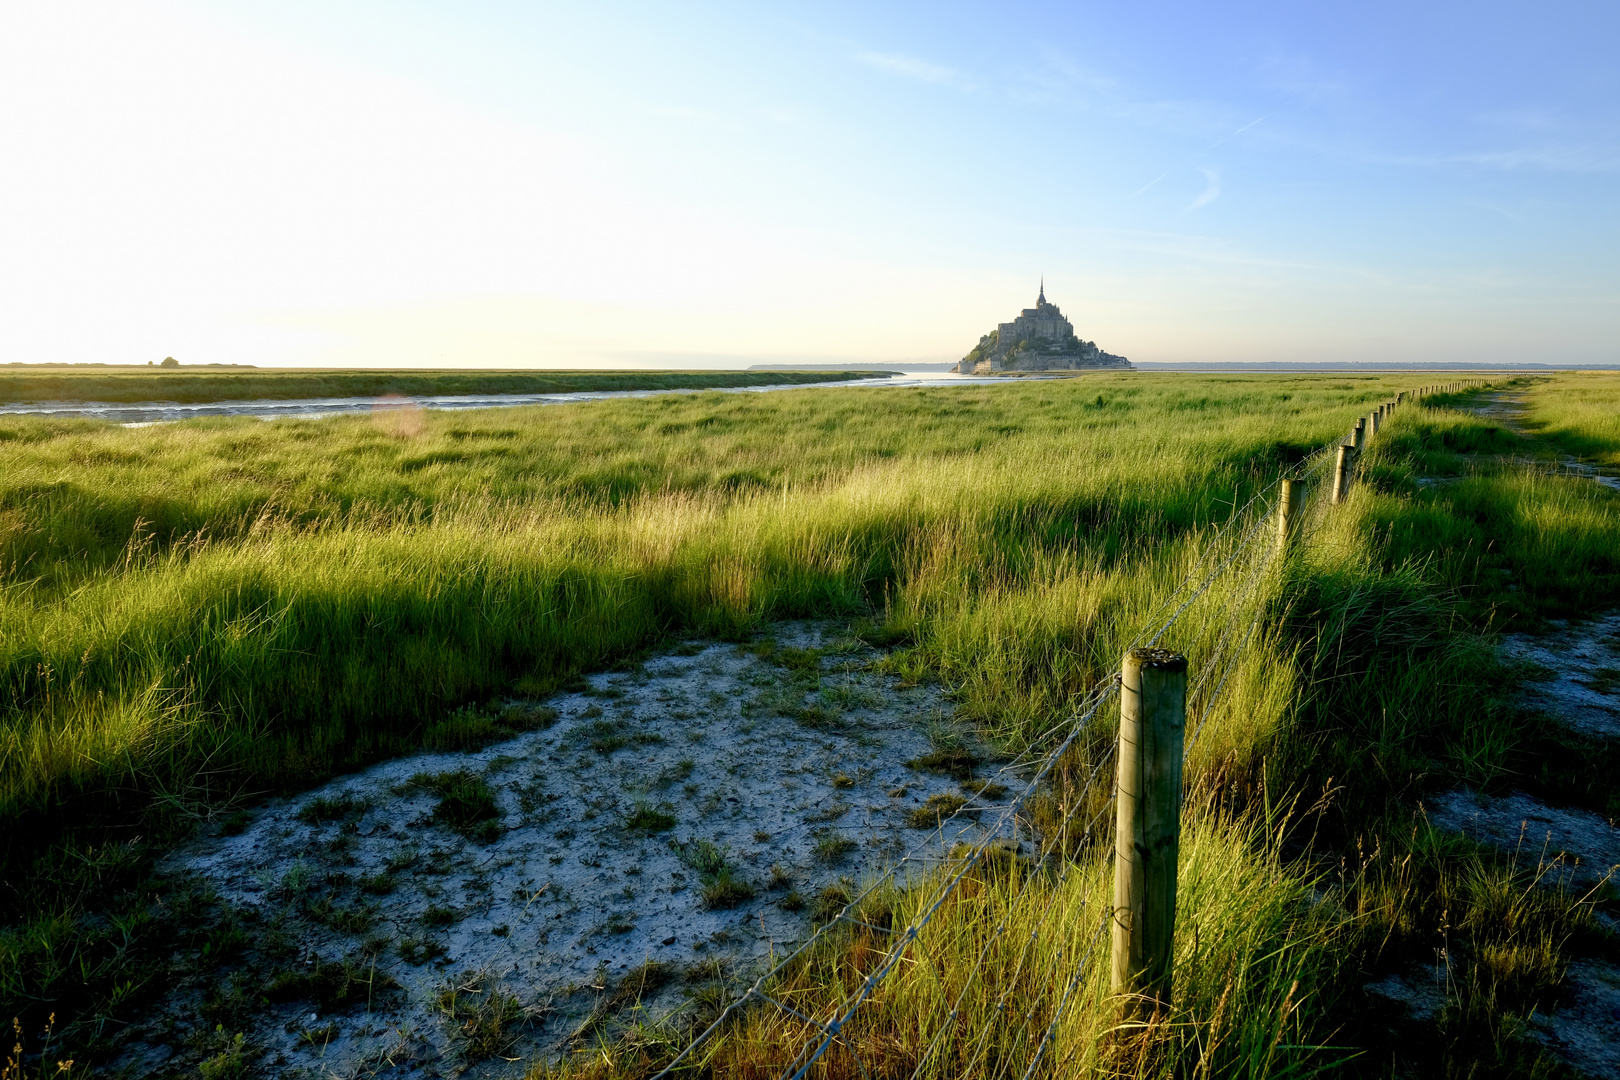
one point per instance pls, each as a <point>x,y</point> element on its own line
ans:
<point>1211,192</point>
<point>1494,208</point>
<point>1144,188</point>
<point>911,67</point>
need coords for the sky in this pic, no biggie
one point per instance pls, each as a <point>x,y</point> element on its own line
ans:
<point>502,184</point>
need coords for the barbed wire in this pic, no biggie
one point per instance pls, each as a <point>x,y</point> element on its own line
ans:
<point>1231,546</point>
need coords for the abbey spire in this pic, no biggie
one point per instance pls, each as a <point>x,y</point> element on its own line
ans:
<point>1040,339</point>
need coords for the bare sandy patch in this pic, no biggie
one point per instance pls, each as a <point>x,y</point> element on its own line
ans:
<point>669,829</point>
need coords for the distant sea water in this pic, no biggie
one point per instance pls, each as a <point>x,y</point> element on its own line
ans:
<point>140,413</point>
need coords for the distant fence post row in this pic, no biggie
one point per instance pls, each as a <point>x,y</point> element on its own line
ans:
<point>1153,687</point>
<point>1152,730</point>
<point>1353,445</point>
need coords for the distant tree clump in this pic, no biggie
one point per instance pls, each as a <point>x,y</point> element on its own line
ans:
<point>169,361</point>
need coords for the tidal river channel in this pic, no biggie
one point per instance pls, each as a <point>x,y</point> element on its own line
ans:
<point>139,413</point>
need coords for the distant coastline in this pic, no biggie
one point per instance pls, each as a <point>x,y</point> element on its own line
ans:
<point>895,369</point>
<point>1368,367</point>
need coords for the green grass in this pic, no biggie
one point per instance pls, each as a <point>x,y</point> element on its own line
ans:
<point>205,608</point>
<point>19,383</point>
<point>1579,414</point>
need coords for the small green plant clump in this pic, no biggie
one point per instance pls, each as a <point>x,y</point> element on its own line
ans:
<point>332,984</point>
<point>932,814</point>
<point>645,819</point>
<point>954,761</point>
<point>340,808</point>
<point>830,901</point>
<point>721,884</point>
<point>466,803</point>
<point>232,1061</point>
<point>472,728</point>
<point>831,848</point>
<point>485,1018</point>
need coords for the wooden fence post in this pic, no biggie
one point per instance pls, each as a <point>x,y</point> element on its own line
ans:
<point>1358,435</point>
<point>1285,516</point>
<point>1341,473</point>
<point>1147,838</point>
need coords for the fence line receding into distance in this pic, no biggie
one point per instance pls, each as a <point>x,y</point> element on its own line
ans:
<point>1238,557</point>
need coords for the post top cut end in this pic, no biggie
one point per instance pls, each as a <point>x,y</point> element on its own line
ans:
<point>1158,659</point>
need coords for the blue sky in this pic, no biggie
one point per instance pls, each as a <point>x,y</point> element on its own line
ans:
<point>618,184</point>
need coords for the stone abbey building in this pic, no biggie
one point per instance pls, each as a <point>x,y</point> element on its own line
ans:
<point>1040,339</point>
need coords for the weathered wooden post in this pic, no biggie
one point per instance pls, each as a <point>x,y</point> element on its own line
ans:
<point>1285,516</point>
<point>1341,473</point>
<point>1147,838</point>
<point>1358,434</point>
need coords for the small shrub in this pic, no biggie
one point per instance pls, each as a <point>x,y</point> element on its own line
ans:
<point>843,781</point>
<point>793,901</point>
<point>986,790</point>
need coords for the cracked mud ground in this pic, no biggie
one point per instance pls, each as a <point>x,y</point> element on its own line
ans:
<point>654,837</point>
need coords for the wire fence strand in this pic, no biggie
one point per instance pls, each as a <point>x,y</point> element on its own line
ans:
<point>1239,557</point>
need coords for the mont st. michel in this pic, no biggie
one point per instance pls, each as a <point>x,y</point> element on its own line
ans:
<point>1040,339</point>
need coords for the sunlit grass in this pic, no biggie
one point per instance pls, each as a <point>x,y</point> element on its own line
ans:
<point>200,610</point>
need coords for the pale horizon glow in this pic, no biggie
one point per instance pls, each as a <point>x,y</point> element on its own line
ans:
<point>628,185</point>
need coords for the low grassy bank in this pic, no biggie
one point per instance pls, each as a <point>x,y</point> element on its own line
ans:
<point>193,385</point>
<point>207,610</point>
